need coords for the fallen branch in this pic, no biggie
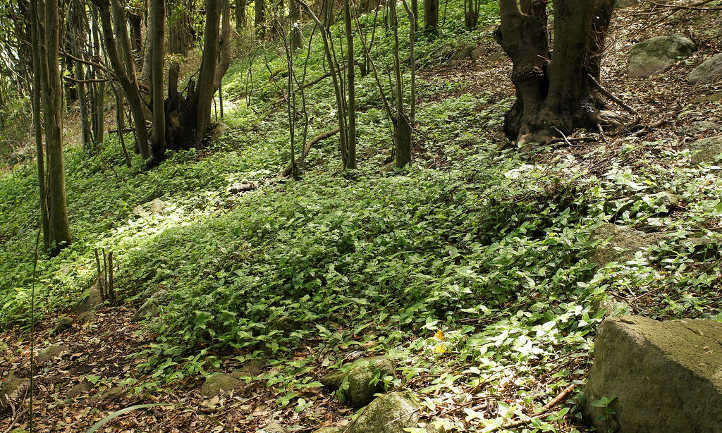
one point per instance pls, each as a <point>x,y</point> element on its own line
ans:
<point>307,148</point>
<point>611,96</point>
<point>555,401</point>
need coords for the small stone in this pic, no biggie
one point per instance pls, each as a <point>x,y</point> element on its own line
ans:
<point>157,206</point>
<point>250,368</point>
<point>390,413</point>
<point>654,55</point>
<point>273,427</point>
<point>87,316</point>
<point>241,187</point>
<point>710,71</point>
<point>476,53</point>
<point>112,394</point>
<point>90,299</point>
<point>329,430</point>
<point>12,386</point>
<point>215,383</point>
<point>79,389</point>
<point>61,324</point>
<point>51,352</point>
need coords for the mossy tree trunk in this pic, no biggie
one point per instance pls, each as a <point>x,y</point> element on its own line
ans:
<point>554,93</point>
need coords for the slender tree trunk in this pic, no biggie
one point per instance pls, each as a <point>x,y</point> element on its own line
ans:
<point>553,96</point>
<point>78,41</point>
<point>350,162</point>
<point>135,20</point>
<point>37,124</point>
<point>402,126</point>
<point>157,143</point>
<point>98,104</point>
<point>180,29</point>
<point>240,15</point>
<point>294,15</point>
<point>58,235</point>
<point>260,18</point>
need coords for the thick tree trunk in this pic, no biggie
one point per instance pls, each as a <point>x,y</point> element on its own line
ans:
<point>207,74</point>
<point>553,96</point>
<point>58,235</point>
<point>431,15</point>
<point>157,142</point>
<point>136,36</point>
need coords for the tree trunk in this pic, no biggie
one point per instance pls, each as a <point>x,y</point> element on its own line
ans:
<point>431,15</point>
<point>37,124</point>
<point>350,162</point>
<point>207,75</point>
<point>240,15</point>
<point>180,28</point>
<point>98,103</point>
<point>294,15</point>
<point>260,18</point>
<point>79,36</point>
<point>124,74</point>
<point>136,36</point>
<point>157,142</point>
<point>554,94</point>
<point>58,234</point>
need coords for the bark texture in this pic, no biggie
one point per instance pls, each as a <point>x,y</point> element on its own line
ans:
<point>553,92</point>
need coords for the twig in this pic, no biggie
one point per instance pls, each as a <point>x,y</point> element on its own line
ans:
<point>566,140</point>
<point>307,148</point>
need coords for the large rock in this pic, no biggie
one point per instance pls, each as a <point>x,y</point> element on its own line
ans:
<point>390,413</point>
<point>620,243</point>
<point>218,382</point>
<point>360,376</point>
<point>654,55</point>
<point>666,376</point>
<point>707,150</point>
<point>710,71</point>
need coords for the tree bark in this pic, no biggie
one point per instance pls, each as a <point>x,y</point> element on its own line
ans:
<point>37,124</point>
<point>260,18</point>
<point>431,15</point>
<point>207,75</point>
<point>240,15</point>
<point>294,15</point>
<point>58,234</point>
<point>553,93</point>
<point>78,41</point>
<point>350,161</point>
<point>157,142</point>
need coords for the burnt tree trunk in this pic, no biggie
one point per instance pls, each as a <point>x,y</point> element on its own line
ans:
<point>554,93</point>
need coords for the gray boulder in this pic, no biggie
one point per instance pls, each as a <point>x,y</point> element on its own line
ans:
<point>620,243</point>
<point>390,413</point>
<point>661,377</point>
<point>707,150</point>
<point>215,383</point>
<point>655,54</point>
<point>357,379</point>
<point>710,71</point>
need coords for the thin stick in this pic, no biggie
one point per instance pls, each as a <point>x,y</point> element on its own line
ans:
<point>611,96</point>
<point>555,401</point>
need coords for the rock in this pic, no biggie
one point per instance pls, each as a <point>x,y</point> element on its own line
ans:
<point>215,383</point>
<point>79,389</point>
<point>12,386</point>
<point>111,394</point>
<point>476,53</point>
<point>613,307</point>
<point>329,430</point>
<point>250,368</point>
<point>87,316</point>
<point>666,376</point>
<point>148,309</point>
<point>654,55</point>
<point>241,187</point>
<point>702,126</point>
<point>707,151</point>
<point>390,413</point>
<point>360,375</point>
<point>61,324</point>
<point>90,299</point>
<point>51,352</point>
<point>273,427</point>
<point>620,243</point>
<point>621,4</point>
<point>710,71</point>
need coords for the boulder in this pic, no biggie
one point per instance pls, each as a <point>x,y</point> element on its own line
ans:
<point>151,307</point>
<point>661,377</point>
<point>703,126</point>
<point>620,243</point>
<point>215,383</point>
<point>655,54</point>
<point>710,71</point>
<point>250,368</point>
<point>356,380</point>
<point>51,352</point>
<point>390,413</point>
<point>90,299</point>
<point>707,151</point>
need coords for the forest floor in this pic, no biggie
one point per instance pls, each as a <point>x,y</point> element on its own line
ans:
<point>474,270</point>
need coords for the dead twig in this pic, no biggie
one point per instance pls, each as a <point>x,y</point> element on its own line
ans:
<point>555,401</point>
